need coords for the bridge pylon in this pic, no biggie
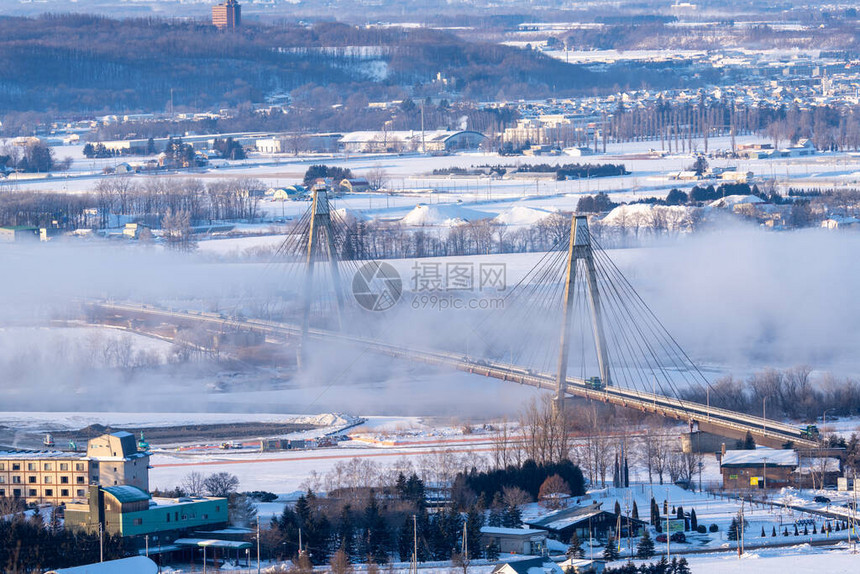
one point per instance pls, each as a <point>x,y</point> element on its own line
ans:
<point>579,249</point>
<point>320,241</point>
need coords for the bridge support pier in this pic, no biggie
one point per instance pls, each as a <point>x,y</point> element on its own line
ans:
<point>320,225</point>
<point>580,249</point>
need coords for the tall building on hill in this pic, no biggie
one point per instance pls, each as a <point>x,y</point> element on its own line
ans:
<point>227,16</point>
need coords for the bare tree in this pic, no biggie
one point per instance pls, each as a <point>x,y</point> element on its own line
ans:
<point>177,230</point>
<point>515,496</point>
<point>377,178</point>
<point>193,483</point>
<point>221,484</point>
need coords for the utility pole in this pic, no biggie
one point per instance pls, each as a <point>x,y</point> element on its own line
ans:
<point>101,542</point>
<point>590,541</point>
<point>423,144</point>
<point>414,544</point>
<point>258,544</point>
<point>465,546</point>
<point>668,534</point>
<point>627,511</point>
<point>854,517</point>
<point>146,542</point>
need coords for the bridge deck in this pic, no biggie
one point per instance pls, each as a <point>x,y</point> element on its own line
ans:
<point>722,421</point>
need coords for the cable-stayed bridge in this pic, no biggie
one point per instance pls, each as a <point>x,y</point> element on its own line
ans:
<point>574,310</point>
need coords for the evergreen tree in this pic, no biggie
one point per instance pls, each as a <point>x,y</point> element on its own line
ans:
<point>773,532</point>
<point>814,528</point>
<point>512,517</point>
<point>662,567</point>
<point>400,485</point>
<point>733,529</point>
<point>694,520</point>
<point>610,553</point>
<point>645,548</point>
<point>496,508</point>
<point>474,522</point>
<point>635,513</point>
<point>575,549</point>
<point>682,567</point>
<point>492,551</point>
<point>763,535</point>
<point>796,533</point>
<point>288,526</point>
<point>374,535</point>
<point>626,474</point>
<point>405,540</point>
<point>805,530</point>
<point>345,532</point>
<point>617,508</point>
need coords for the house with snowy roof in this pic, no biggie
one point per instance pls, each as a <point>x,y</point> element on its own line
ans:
<point>588,521</point>
<point>758,468</point>
<point>530,566</point>
<point>841,222</point>
<point>526,541</point>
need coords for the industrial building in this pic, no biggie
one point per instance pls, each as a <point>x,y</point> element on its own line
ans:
<point>431,141</point>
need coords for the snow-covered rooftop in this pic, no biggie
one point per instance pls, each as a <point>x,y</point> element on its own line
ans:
<point>498,530</point>
<point>761,455</point>
<point>732,200</point>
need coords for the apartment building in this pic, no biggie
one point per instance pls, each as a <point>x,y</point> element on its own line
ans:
<point>57,477</point>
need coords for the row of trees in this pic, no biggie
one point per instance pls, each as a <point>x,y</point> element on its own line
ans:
<point>597,450</point>
<point>378,529</point>
<point>33,545</point>
<point>790,393</point>
<point>120,198</point>
<point>32,157</point>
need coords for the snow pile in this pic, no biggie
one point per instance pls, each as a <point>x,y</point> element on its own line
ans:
<point>732,200</point>
<point>326,420</point>
<point>449,215</point>
<point>644,215</point>
<point>523,215</point>
<point>350,216</point>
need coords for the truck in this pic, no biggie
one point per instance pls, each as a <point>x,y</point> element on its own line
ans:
<point>594,383</point>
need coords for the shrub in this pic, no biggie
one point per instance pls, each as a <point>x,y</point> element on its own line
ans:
<point>701,529</point>
<point>713,528</point>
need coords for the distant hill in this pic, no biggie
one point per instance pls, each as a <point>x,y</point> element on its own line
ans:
<point>84,63</point>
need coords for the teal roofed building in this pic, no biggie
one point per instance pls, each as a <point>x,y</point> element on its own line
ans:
<point>127,510</point>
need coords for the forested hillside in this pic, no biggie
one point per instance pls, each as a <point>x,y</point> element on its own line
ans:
<point>88,63</point>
